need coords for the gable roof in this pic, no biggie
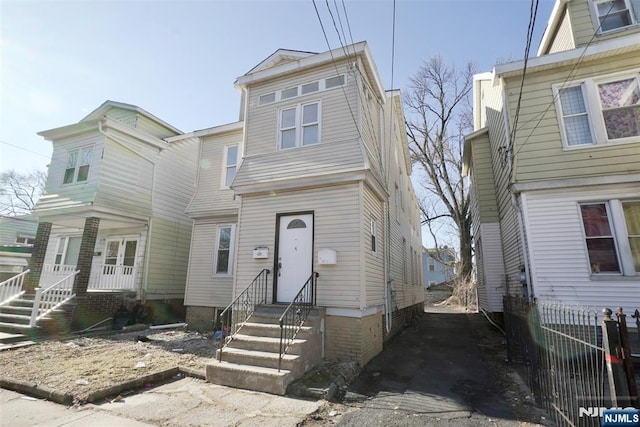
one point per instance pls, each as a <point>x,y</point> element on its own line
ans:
<point>108,105</point>
<point>278,57</point>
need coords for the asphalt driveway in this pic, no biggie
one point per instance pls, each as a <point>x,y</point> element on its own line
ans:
<point>448,368</point>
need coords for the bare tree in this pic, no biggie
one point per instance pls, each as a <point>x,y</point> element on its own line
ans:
<point>439,114</point>
<point>19,192</point>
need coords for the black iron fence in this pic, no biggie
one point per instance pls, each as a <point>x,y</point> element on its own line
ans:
<point>565,354</point>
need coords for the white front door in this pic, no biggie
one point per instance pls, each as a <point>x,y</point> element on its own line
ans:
<point>118,270</point>
<point>295,255</point>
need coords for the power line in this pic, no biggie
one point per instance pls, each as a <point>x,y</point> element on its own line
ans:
<point>562,85</point>
<point>25,149</point>
<point>333,59</point>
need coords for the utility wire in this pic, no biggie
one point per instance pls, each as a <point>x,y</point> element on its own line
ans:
<point>25,149</point>
<point>571,74</point>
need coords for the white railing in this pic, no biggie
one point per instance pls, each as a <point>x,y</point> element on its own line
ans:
<point>12,288</point>
<point>113,277</point>
<point>52,297</point>
<point>53,273</point>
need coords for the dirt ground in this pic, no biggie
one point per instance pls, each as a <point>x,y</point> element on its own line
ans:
<point>82,365</point>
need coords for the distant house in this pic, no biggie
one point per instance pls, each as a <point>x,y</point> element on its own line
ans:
<point>554,164</point>
<point>17,235</point>
<point>434,270</point>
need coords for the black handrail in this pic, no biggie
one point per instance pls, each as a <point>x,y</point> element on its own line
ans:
<point>233,317</point>
<point>295,315</point>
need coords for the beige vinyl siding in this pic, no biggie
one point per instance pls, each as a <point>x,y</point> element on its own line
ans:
<point>203,287</point>
<point>563,39</point>
<point>12,227</point>
<point>492,266</point>
<point>481,283</point>
<point>123,115</point>
<point>585,25</point>
<point>151,127</point>
<point>316,160</point>
<point>59,195</point>
<point>539,144</point>
<point>483,180</point>
<point>509,233</point>
<point>209,194</point>
<point>370,124</point>
<point>558,250</point>
<point>171,227</point>
<point>126,177</point>
<point>337,225</point>
<point>337,121</point>
<point>374,263</point>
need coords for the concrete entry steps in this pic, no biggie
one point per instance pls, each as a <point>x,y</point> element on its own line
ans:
<point>250,360</point>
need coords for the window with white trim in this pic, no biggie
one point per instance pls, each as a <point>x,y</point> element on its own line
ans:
<point>599,111</point>
<point>68,250</point>
<point>612,234</point>
<point>374,236</point>
<point>615,14</point>
<point>223,263</point>
<point>78,163</point>
<point>299,126</point>
<point>25,240</point>
<point>230,164</point>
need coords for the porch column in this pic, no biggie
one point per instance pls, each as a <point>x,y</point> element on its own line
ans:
<point>85,257</point>
<point>37,257</point>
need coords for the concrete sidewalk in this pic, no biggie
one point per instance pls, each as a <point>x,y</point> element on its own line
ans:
<point>186,402</point>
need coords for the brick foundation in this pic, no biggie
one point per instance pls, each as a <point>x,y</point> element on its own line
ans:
<point>401,318</point>
<point>200,318</point>
<point>352,338</point>
<point>94,307</point>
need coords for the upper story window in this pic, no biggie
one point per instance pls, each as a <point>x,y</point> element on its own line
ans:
<point>374,236</point>
<point>230,164</point>
<point>597,111</point>
<point>78,162</point>
<point>303,89</point>
<point>21,240</point>
<point>299,126</point>
<point>612,234</point>
<point>616,14</point>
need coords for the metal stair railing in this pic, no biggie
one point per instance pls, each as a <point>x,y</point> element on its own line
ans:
<point>11,288</point>
<point>233,317</point>
<point>295,315</point>
<point>52,297</point>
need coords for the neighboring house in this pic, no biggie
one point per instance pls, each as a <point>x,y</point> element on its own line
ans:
<point>314,178</point>
<point>17,235</point>
<point>555,167</point>
<point>113,208</point>
<point>434,270</point>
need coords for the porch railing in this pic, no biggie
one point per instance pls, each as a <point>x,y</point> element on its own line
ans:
<point>113,277</point>
<point>48,299</point>
<point>53,273</point>
<point>240,310</point>
<point>12,288</point>
<point>295,315</point>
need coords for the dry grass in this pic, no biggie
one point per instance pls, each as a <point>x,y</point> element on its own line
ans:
<point>83,365</point>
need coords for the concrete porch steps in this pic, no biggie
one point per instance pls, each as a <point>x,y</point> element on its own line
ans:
<point>12,340</point>
<point>250,359</point>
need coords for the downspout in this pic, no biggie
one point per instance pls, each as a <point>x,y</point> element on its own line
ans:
<point>145,277</point>
<point>386,230</point>
<point>523,246</point>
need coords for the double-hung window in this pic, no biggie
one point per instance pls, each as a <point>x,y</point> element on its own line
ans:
<point>615,14</point>
<point>600,111</point>
<point>299,126</point>
<point>230,164</point>
<point>612,233</point>
<point>374,236</point>
<point>223,263</point>
<point>78,162</point>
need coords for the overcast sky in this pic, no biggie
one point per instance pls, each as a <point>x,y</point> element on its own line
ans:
<point>179,59</point>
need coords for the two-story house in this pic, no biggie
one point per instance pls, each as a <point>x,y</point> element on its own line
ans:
<point>437,265</point>
<point>112,226</point>
<point>554,166</point>
<point>314,180</point>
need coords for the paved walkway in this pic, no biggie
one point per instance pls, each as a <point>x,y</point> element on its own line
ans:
<point>438,372</point>
<point>186,402</point>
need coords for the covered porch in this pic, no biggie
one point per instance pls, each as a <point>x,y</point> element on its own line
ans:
<point>104,277</point>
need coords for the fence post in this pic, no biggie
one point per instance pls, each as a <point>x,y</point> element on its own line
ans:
<point>36,307</point>
<point>626,357</point>
<point>614,359</point>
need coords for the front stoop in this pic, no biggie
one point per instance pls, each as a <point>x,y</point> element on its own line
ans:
<point>15,317</point>
<point>250,359</point>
